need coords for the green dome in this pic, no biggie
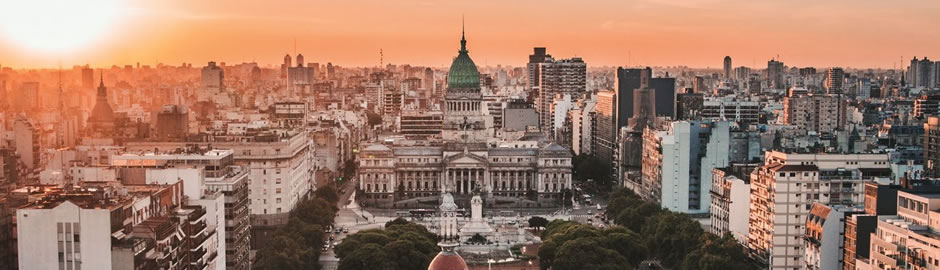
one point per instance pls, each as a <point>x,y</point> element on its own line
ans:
<point>463,72</point>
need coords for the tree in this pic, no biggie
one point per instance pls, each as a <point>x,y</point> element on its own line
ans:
<point>374,119</point>
<point>645,231</point>
<point>589,253</point>
<point>316,211</point>
<point>537,222</point>
<point>407,246</point>
<point>287,253</point>
<point>671,236</point>
<point>327,193</point>
<point>716,252</point>
<point>367,257</point>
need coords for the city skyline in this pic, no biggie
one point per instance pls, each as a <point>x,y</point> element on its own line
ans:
<point>637,33</point>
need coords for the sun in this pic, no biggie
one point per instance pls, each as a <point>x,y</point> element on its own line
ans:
<point>57,25</point>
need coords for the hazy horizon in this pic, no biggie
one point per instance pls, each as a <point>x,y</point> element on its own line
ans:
<point>696,33</point>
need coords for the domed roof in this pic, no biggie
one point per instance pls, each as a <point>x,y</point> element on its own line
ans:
<point>447,259</point>
<point>463,72</point>
<point>102,112</point>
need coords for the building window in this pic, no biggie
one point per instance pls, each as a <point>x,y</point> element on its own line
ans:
<point>277,191</point>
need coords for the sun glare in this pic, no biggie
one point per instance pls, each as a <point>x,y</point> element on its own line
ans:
<point>57,25</point>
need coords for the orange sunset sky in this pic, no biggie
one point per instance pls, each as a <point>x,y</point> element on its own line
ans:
<point>698,33</point>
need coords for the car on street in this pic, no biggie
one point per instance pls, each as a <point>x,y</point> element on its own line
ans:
<point>345,230</point>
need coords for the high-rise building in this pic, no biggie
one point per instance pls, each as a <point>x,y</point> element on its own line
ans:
<point>566,77</point>
<point>428,80</point>
<point>27,99</point>
<point>300,77</point>
<point>698,85</point>
<point>211,172</point>
<point>729,204</point>
<point>926,105</point>
<point>678,162</point>
<point>923,73</point>
<point>644,108</point>
<point>213,78</point>
<point>689,105</point>
<point>88,78</point>
<point>172,123</point>
<point>26,141</point>
<point>727,65</point>
<point>629,80</point>
<point>932,147</point>
<point>824,239</point>
<point>536,59</point>
<point>775,72</point>
<point>835,77</point>
<point>819,113</point>
<point>665,89</point>
<point>605,126</point>
<point>742,73</point>
<point>784,188</point>
<point>731,109</point>
<point>910,239</point>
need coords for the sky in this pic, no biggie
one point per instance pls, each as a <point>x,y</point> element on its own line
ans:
<point>696,33</point>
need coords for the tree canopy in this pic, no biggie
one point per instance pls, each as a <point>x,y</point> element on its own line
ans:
<point>296,245</point>
<point>645,231</point>
<point>401,245</point>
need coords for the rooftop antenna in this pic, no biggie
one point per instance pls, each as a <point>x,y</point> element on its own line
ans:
<point>381,58</point>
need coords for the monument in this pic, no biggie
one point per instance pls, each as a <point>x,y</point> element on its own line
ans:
<point>448,217</point>
<point>477,224</point>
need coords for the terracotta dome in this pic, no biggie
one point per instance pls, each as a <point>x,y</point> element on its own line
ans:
<point>448,259</point>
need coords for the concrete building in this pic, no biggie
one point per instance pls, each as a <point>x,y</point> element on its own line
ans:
<point>923,73</point>
<point>559,78</point>
<point>114,227</point>
<point>727,67</point>
<point>172,123</point>
<point>926,105</point>
<point>605,126</point>
<point>536,59</point>
<point>678,162</point>
<point>784,188</point>
<point>278,162</point>
<point>581,119</point>
<point>910,239</point>
<point>519,116</point>
<point>730,204</point>
<point>835,79</point>
<point>818,113</point>
<point>408,176</point>
<point>730,109</point>
<point>210,179</point>
<point>212,82</point>
<point>300,78</point>
<point>879,200</point>
<point>665,89</point>
<point>775,74</point>
<point>823,243</point>
<point>26,142</point>
<point>932,147</point>
<point>628,80</point>
<point>421,125</point>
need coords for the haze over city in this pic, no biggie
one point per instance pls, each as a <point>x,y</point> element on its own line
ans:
<point>351,33</point>
<point>469,135</point>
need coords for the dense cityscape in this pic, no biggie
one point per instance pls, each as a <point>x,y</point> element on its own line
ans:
<point>550,163</point>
